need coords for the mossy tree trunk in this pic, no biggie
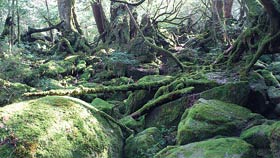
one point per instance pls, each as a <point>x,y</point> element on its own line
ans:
<point>262,35</point>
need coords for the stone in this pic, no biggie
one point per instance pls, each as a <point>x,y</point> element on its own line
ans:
<point>167,115</point>
<point>212,148</point>
<point>235,92</point>
<point>102,105</point>
<point>144,144</point>
<point>57,127</point>
<point>209,118</point>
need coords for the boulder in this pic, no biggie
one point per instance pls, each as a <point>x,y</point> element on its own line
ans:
<point>52,69</point>
<point>275,139</point>
<point>275,67</point>
<point>209,118</point>
<point>145,144</point>
<point>102,105</point>
<point>167,115</point>
<point>274,95</point>
<point>235,92</point>
<point>213,148</point>
<point>57,127</point>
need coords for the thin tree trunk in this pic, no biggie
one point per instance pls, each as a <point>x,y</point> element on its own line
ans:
<point>48,20</point>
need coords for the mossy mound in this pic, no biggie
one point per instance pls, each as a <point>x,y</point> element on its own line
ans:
<point>102,105</point>
<point>236,93</point>
<point>145,144</point>
<point>275,139</point>
<point>11,92</point>
<point>57,127</point>
<point>213,148</point>
<point>209,118</point>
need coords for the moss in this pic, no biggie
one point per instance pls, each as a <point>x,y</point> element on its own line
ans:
<point>103,105</point>
<point>137,99</point>
<point>81,65</point>
<point>136,125</point>
<point>213,148</point>
<point>56,127</point>
<point>236,93</point>
<point>269,78</point>
<point>275,139</point>
<point>145,144</point>
<point>167,115</point>
<point>209,118</point>
<point>257,136</point>
<point>52,69</point>
<point>12,92</point>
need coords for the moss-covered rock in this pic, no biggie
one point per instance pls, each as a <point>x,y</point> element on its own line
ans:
<point>167,115</point>
<point>103,105</point>
<point>275,68</point>
<point>213,148</point>
<point>145,144</point>
<point>12,92</point>
<point>137,99</point>
<point>52,69</point>
<point>131,123</point>
<point>236,93</point>
<point>269,78</point>
<point>57,127</point>
<point>275,139</point>
<point>257,136</point>
<point>274,94</point>
<point>209,118</point>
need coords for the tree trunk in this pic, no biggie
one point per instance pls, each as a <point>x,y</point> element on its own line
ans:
<point>65,9</point>
<point>227,8</point>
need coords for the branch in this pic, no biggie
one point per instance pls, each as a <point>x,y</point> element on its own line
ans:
<point>33,30</point>
<point>157,48</point>
<point>130,3</point>
<point>84,90</point>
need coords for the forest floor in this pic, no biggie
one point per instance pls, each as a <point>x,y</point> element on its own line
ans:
<point>206,111</point>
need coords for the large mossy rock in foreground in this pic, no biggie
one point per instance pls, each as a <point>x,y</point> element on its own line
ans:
<point>213,148</point>
<point>209,118</point>
<point>61,127</point>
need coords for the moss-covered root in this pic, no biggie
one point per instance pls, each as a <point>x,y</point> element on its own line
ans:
<point>161,100</point>
<point>83,90</point>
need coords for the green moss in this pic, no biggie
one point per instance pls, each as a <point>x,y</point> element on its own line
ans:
<point>52,69</point>
<point>132,124</point>
<point>167,115</point>
<point>257,136</point>
<point>236,93</point>
<point>12,92</point>
<point>145,144</point>
<point>102,105</point>
<point>56,127</point>
<point>269,78</point>
<point>137,99</point>
<point>213,148</point>
<point>209,118</point>
<point>275,139</point>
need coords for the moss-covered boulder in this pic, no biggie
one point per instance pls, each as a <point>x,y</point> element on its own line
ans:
<point>209,118</point>
<point>11,92</point>
<point>167,115</point>
<point>145,144</point>
<point>213,148</point>
<point>102,105</point>
<point>57,127</point>
<point>275,67</point>
<point>236,93</point>
<point>275,139</point>
<point>258,136</point>
<point>52,69</point>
